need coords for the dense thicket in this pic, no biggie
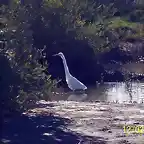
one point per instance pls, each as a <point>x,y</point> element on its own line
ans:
<point>23,78</point>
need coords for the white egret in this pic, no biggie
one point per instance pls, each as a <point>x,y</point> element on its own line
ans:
<point>73,83</point>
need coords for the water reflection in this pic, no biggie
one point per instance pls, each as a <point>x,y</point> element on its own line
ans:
<point>122,92</point>
<point>107,92</point>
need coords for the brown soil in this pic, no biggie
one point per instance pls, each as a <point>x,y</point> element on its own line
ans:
<point>97,119</point>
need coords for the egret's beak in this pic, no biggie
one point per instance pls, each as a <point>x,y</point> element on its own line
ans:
<point>55,55</point>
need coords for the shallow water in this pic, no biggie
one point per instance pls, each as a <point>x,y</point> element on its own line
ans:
<point>110,92</point>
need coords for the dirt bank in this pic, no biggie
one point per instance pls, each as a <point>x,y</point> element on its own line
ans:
<point>97,119</point>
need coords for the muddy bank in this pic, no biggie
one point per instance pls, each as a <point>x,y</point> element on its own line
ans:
<point>97,119</point>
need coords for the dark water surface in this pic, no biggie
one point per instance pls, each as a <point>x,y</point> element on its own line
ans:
<point>111,92</point>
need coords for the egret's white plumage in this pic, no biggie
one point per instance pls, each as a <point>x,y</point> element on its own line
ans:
<point>73,83</point>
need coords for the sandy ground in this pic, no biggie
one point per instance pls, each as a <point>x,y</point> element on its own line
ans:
<point>97,119</point>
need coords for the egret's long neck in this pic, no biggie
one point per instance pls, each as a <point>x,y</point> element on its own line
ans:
<point>67,73</point>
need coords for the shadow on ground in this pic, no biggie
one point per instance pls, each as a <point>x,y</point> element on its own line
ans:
<point>42,130</point>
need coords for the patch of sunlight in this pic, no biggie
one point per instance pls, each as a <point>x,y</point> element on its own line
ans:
<point>52,3</point>
<point>141,111</point>
<point>119,22</point>
<point>57,139</point>
<point>40,126</point>
<point>47,134</point>
<point>131,122</point>
<point>136,116</point>
<point>5,141</point>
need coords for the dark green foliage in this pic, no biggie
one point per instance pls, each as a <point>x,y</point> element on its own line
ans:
<point>31,82</point>
<point>98,24</point>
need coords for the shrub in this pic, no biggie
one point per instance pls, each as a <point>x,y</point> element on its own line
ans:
<point>30,82</point>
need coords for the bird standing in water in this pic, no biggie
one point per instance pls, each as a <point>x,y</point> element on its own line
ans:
<point>73,83</point>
